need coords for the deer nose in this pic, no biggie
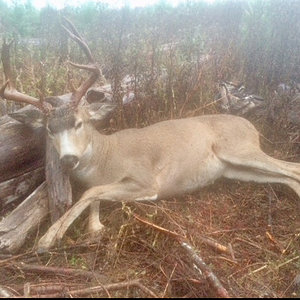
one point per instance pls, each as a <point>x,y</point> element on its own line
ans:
<point>69,161</point>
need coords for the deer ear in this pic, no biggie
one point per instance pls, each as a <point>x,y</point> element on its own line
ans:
<point>100,111</point>
<point>101,94</point>
<point>29,116</point>
<point>93,96</point>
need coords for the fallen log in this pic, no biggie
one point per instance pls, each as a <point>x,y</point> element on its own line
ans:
<point>17,189</point>
<point>58,184</point>
<point>22,152</point>
<point>24,219</point>
<point>22,148</point>
<point>24,157</point>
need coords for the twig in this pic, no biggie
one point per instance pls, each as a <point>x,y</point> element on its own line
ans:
<point>12,258</point>
<point>27,290</point>
<point>214,244</point>
<point>231,251</point>
<point>291,241</point>
<point>5,293</point>
<point>275,242</point>
<point>55,270</point>
<point>253,244</point>
<point>164,230</point>
<point>100,288</point>
<point>206,105</point>
<point>192,91</point>
<point>48,288</point>
<point>227,259</point>
<point>288,261</point>
<point>208,273</point>
<point>168,283</point>
<point>257,270</point>
<point>198,261</point>
<point>145,289</point>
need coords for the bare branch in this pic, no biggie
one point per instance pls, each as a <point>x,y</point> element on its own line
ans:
<point>101,288</point>
<point>197,260</point>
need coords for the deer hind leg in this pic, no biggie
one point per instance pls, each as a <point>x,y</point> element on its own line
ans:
<point>115,192</point>
<point>257,166</point>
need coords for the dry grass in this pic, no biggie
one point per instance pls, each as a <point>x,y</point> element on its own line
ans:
<point>260,223</point>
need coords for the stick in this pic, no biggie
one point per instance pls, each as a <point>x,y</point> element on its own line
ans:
<point>208,273</point>
<point>275,242</point>
<point>214,244</point>
<point>55,270</point>
<point>211,277</point>
<point>108,287</point>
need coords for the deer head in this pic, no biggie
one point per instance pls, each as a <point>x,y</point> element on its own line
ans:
<point>62,116</point>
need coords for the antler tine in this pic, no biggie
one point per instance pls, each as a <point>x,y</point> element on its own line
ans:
<point>81,42</point>
<point>8,90</point>
<point>72,27</point>
<point>6,62</point>
<point>78,93</point>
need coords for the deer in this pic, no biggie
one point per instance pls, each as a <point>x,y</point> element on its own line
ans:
<point>166,159</point>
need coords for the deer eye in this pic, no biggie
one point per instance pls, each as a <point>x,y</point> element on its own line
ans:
<point>78,125</point>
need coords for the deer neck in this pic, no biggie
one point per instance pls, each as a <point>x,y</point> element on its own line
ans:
<point>93,159</point>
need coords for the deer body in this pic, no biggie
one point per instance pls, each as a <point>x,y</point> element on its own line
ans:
<point>174,157</point>
<point>166,159</point>
<point>179,156</point>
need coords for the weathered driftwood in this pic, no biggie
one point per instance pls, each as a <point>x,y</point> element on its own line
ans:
<point>22,166</point>
<point>22,151</point>
<point>21,221</point>
<point>22,160</point>
<point>18,188</point>
<point>15,227</point>
<point>58,184</point>
<point>22,148</point>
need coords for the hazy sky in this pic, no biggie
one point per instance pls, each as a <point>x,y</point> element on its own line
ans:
<point>115,3</point>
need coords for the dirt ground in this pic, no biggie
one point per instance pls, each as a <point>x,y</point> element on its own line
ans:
<point>258,224</point>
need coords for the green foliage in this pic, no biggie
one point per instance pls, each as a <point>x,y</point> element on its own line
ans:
<point>20,20</point>
<point>78,262</point>
<point>270,40</point>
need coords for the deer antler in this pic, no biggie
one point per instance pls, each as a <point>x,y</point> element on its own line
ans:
<point>8,90</point>
<point>78,93</point>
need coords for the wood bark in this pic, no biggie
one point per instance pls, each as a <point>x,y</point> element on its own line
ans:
<point>22,152</point>
<point>22,170</point>
<point>23,220</point>
<point>58,184</point>
<point>17,189</point>
<point>22,148</point>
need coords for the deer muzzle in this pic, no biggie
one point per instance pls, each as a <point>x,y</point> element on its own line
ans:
<point>70,162</point>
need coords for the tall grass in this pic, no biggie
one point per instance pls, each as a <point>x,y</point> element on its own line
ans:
<point>162,48</point>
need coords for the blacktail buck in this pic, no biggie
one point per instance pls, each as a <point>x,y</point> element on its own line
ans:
<point>167,159</point>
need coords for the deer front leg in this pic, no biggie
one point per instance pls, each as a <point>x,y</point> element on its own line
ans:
<point>115,192</point>
<point>49,238</point>
<point>94,224</point>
